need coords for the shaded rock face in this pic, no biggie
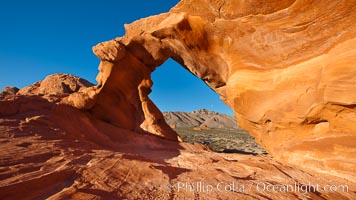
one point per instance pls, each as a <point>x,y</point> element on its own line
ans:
<point>8,92</point>
<point>286,69</point>
<point>200,118</point>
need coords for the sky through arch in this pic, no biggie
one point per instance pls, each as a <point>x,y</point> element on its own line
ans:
<point>176,89</point>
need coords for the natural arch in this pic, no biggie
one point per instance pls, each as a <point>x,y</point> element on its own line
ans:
<point>254,59</point>
<point>176,89</point>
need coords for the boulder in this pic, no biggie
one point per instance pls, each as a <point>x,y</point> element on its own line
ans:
<point>56,84</point>
<point>8,92</point>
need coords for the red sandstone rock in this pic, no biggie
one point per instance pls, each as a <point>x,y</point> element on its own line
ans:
<point>287,70</point>
<point>8,92</point>
<point>56,84</point>
<point>59,152</point>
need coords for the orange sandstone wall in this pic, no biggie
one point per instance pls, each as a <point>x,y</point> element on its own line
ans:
<point>287,68</point>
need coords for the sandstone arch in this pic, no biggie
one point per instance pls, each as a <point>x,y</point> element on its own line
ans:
<point>286,69</point>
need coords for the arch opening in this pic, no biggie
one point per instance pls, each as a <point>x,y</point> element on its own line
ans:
<point>126,73</point>
<point>176,89</point>
<point>196,112</point>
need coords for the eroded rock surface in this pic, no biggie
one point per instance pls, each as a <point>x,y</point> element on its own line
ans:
<point>54,151</point>
<point>287,70</point>
<point>8,92</point>
<point>56,84</point>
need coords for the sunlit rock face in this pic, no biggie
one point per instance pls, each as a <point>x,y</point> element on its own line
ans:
<point>287,69</point>
<point>284,67</point>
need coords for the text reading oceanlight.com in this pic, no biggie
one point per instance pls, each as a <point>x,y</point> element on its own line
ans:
<point>259,187</point>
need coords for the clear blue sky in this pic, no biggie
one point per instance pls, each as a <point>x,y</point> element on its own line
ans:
<point>41,37</point>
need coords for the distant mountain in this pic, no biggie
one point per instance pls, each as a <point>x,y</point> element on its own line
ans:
<point>201,118</point>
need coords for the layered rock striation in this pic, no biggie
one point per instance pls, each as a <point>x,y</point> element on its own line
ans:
<point>50,150</point>
<point>286,69</point>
